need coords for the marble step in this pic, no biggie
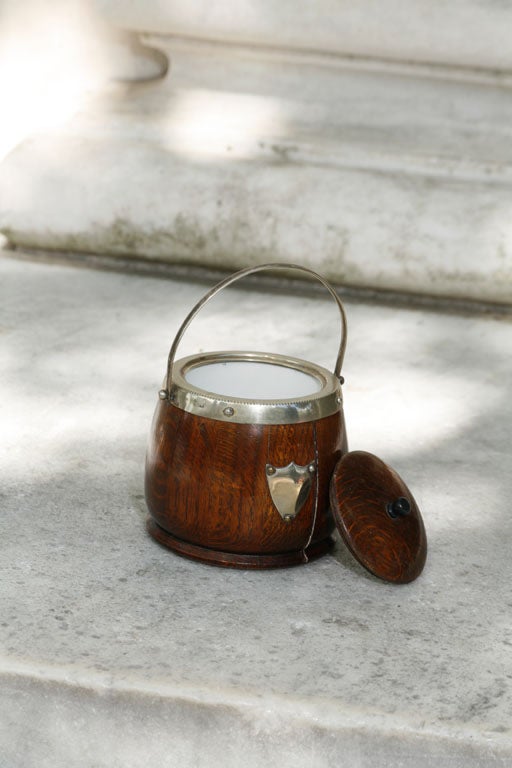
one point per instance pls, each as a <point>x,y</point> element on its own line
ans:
<point>468,33</point>
<point>382,176</point>
<point>116,653</point>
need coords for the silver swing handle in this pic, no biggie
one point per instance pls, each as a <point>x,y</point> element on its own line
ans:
<point>165,393</point>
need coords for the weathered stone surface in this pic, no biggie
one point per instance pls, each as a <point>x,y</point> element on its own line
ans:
<point>377,179</point>
<point>466,33</point>
<point>117,653</point>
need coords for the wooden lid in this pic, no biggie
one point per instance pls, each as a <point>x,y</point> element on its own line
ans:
<point>378,517</point>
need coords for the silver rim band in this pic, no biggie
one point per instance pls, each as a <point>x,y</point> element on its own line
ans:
<point>216,406</point>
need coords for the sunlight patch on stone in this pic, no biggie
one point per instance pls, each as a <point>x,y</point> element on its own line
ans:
<point>212,123</point>
<point>50,58</point>
<point>430,409</point>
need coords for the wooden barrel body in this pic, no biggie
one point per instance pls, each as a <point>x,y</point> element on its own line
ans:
<point>207,487</point>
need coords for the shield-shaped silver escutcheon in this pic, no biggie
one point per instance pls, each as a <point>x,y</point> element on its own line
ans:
<point>290,487</point>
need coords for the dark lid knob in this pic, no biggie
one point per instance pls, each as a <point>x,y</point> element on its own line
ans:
<point>400,506</point>
<point>378,517</point>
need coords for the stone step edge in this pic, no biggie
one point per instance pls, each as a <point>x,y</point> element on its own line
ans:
<point>320,713</point>
<point>169,43</point>
<point>207,275</point>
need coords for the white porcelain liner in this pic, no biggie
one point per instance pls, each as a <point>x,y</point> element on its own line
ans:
<point>253,380</point>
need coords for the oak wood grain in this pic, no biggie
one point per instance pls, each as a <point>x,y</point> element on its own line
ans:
<point>206,483</point>
<point>392,548</point>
